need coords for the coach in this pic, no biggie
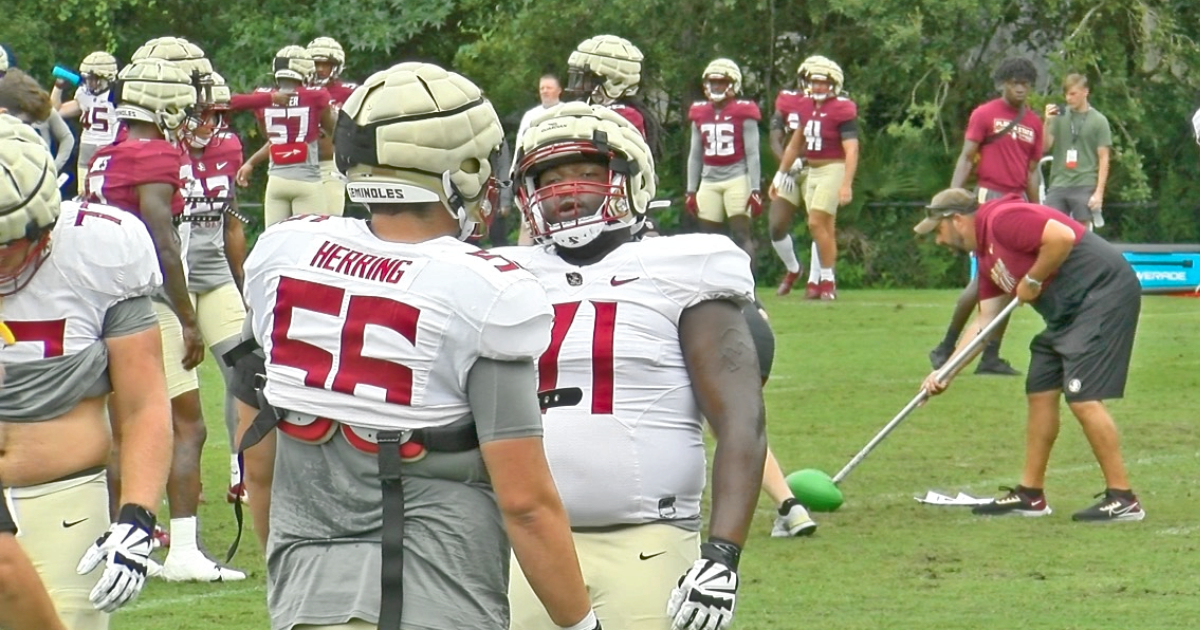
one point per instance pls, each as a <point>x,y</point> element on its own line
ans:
<point>1089,298</point>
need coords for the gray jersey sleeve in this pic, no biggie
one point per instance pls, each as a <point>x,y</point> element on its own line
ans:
<point>753,154</point>
<point>503,399</point>
<point>63,136</point>
<point>777,121</point>
<point>695,161</point>
<point>129,316</point>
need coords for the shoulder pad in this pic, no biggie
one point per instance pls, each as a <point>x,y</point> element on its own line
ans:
<point>517,326</point>
<point>106,249</point>
<point>692,268</point>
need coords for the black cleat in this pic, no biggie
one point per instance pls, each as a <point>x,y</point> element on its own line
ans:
<point>1017,501</point>
<point>1114,507</point>
<point>996,366</point>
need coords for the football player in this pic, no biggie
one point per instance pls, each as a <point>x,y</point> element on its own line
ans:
<point>145,174</point>
<point>400,364</point>
<point>819,161</point>
<point>217,243</point>
<point>329,60</point>
<point>607,70</point>
<point>652,332</point>
<point>75,280</point>
<point>92,105</point>
<point>292,116</point>
<point>24,603</point>
<point>724,169</point>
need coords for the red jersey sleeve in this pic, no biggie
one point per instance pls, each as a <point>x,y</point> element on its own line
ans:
<point>633,116</point>
<point>256,100</point>
<point>696,113</point>
<point>746,109</point>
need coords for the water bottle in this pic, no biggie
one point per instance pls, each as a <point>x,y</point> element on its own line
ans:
<point>66,75</point>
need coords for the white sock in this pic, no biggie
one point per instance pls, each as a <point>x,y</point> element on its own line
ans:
<point>814,267</point>
<point>787,253</point>
<point>235,471</point>
<point>826,274</point>
<point>183,534</point>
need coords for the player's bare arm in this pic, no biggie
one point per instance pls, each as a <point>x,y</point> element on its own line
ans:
<point>24,604</point>
<point>235,244</point>
<point>1033,181</point>
<point>155,203</point>
<point>966,162</point>
<point>722,364</point>
<point>328,121</point>
<point>258,467</point>
<point>258,157</point>
<point>846,194</point>
<point>139,404</point>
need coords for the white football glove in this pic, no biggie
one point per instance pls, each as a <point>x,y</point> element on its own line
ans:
<point>125,550</point>
<point>784,182</point>
<point>707,594</point>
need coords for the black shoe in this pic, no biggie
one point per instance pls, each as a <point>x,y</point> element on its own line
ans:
<point>1112,508</point>
<point>1015,502</point>
<point>939,355</point>
<point>996,366</point>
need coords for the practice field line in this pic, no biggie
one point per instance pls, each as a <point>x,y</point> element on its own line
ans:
<point>225,591</point>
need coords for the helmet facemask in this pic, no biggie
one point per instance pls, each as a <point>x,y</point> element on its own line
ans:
<point>593,206</point>
<point>718,87</point>
<point>820,87</point>
<point>582,84</point>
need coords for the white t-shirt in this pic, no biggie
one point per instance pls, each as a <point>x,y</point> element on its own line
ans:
<point>527,120</point>
<point>632,451</point>
<point>381,335</point>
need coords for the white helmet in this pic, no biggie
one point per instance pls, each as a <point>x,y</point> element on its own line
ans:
<point>157,91</point>
<point>29,197</point>
<point>603,69</point>
<point>187,55</point>
<point>102,66</point>
<point>722,69</point>
<point>293,62</point>
<point>418,133</point>
<point>327,49</point>
<point>575,132</point>
<point>823,68</point>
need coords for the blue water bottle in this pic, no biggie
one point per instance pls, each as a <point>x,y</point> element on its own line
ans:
<point>66,75</point>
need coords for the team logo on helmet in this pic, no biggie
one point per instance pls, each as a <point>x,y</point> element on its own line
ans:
<point>603,69</point>
<point>157,91</point>
<point>722,79</point>
<point>29,200</point>
<point>327,50</point>
<point>416,133</point>
<point>577,132</point>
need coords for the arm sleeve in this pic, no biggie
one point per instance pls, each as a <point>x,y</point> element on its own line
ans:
<point>503,399</point>
<point>695,161</point>
<point>753,154</point>
<point>776,123</point>
<point>849,129</point>
<point>129,316</point>
<point>63,136</point>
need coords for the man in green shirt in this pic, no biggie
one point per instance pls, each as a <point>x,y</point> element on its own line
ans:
<point>1080,141</point>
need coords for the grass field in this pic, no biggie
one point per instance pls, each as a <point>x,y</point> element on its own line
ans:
<point>883,561</point>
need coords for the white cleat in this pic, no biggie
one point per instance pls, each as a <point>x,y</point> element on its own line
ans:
<point>194,566</point>
<point>796,522</point>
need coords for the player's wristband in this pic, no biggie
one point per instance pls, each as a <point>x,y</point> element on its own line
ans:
<point>134,514</point>
<point>589,622</point>
<point>723,551</point>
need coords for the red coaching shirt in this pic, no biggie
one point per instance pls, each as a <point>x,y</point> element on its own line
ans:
<point>1008,235</point>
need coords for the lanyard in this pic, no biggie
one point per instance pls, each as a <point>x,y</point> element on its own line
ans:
<point>1074,131</point>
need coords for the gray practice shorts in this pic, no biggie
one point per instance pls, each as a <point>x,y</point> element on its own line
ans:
<point>1071,201</point>
<point>1089,358</point>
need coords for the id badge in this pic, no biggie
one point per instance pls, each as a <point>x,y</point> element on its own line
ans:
<point>1072,158</point>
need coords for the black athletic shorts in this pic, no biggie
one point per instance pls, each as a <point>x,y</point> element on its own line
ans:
<point>764,337</point>
<point>1088,358</point>
<point>245,372</point>
<point>7,525</point>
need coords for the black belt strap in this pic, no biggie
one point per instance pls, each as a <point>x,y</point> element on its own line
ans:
<point>391,575</point>
<point>267,419</point>
<point>235,353</point>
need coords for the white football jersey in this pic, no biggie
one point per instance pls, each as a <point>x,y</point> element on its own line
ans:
<point>633,450</point>
<point>382,335</point>
<point>98,116</point>
<point>99,255</point>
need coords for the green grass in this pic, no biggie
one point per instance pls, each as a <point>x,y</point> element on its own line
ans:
<point>883,561</point>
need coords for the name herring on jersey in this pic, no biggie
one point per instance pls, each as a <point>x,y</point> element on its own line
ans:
<point>355,328</point>
<point>632,451</point>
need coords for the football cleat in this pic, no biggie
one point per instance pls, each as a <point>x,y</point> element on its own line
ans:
<point>812,291</point>
<point>827,290</point>
<point>194,566</point>
<point>793,520</point>
<point>1018,501</point>
<point>785,286</point>
<point>161,537</point>
<point>1115,506</point>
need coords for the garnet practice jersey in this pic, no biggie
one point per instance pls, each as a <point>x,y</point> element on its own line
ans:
<point>788,105</point>
<point>721,129</point>
<point>821,124</point>
<point>99,256</point>
<point>631,114</point>
<point>207,196</point>
<point>339,92</point>
<point>97,117</point>
<point>117,170</point>
<point>632,451</point>
<point>381,335</point>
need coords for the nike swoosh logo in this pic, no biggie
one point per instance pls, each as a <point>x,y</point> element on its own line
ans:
<point>617,283</point>
<point>73,524</point>
<point>642,556</point>
<point>221,165</point>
